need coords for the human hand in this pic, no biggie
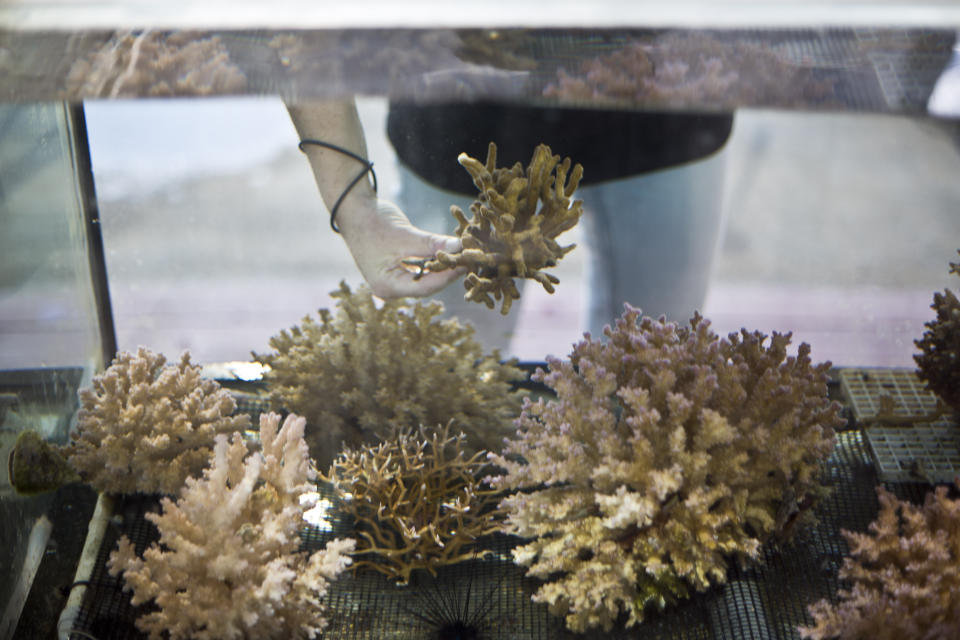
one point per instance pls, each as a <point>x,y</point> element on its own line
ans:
<point>381,238</point>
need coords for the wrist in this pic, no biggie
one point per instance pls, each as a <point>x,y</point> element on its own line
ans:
<point>357,213</point>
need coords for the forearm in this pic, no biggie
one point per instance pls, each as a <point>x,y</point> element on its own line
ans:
<point>336,122</point>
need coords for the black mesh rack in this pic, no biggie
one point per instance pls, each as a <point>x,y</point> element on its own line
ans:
<point>766,600</point>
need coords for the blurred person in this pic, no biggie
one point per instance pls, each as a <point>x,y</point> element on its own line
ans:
<point>652,190</point>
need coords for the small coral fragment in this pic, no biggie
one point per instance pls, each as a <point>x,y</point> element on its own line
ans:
<point>904,575</point>
<point>146,427</point>
<point>514,225</point>
<point>228,564</point>
<point>667,451</point>
<point>938,362</point>
<point>367,372</point>
<point>36,466</point>
<point>417,501</point>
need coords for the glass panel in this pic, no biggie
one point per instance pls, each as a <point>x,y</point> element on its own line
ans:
<point>872,68</point>
<point>216,240</point>
<point>214,233</point>
<point>49,335</point>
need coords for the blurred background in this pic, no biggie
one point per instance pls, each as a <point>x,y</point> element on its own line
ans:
<point>839,228</point>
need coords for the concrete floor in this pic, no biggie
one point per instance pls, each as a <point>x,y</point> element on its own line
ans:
<point>840,227</point>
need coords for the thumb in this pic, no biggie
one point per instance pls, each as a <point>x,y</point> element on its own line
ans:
<point>450,244</point>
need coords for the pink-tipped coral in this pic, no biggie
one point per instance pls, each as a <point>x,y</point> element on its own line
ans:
<point>904,575</point>
<point>666,451</point>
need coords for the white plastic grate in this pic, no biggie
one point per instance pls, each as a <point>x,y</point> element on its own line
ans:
<point>913,451</point>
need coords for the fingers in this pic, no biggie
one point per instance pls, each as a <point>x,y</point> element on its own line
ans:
<point>399,283</point>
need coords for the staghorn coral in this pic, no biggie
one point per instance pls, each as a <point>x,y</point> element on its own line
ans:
<point>156,63</point>
<point>417,501</point>
<point>938,364</point>
<point>666,450</point>
<point>904,575</point>
<point>367,372</point>
<point>146,427</point>
<point>512,232</point>
<point>227,564</point>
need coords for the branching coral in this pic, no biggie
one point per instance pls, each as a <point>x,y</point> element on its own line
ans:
<point>418,502</point>
<point>146,427</point>
<point>512,232</point>
<point>666,450</point>
<point>905,575</point>
<point>155,63</point>
<point>369,371</point>
<point>227,564</point>
<point>939,361</point>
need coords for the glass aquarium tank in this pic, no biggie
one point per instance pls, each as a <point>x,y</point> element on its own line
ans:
<point>406,320</point>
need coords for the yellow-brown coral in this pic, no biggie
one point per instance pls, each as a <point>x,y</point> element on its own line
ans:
<point>417,501</point>
<point>367,372</point>
<point>512,232</point>
<point>904,575</point>
<point>148,427</point>
<point>666,451</point>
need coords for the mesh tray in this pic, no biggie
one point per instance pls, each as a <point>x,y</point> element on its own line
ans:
<point>911,452</point>
<point>766,600</point>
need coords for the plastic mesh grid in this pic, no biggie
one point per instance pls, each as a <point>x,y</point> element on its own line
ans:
<point>914,451</point>
<point>760,601</point>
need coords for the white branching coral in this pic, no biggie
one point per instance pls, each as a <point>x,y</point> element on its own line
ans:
<point>146,427</point>
<point>417,501</point>
<point>666,451</point>
<point>367,372</point>
<point>227,564</point>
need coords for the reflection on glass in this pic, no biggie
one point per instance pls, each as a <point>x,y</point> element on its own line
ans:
<point>49,337</point>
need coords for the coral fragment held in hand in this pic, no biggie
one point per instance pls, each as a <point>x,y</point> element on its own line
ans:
<point>514,225</point>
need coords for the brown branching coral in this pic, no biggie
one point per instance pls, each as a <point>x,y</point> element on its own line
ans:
<point>146,427</point>
<point>228,563</point>
<point>938,364</point>
<point>904,575</point>
<point>666,451</point>
<point>367,372</point>
<point>417,501</point>
<point>156,63</point>
<point>512,232</point>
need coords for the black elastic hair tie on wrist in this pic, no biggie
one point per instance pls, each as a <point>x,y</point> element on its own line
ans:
<point>367,167</point>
